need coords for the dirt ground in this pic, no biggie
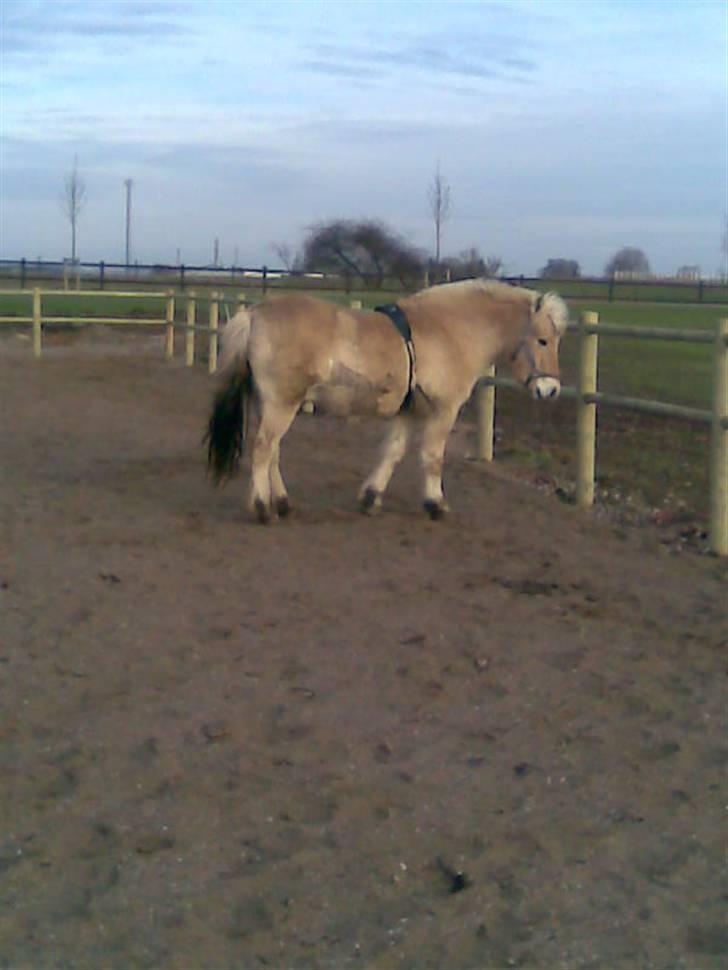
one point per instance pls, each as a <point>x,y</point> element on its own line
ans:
<point>497,741</point>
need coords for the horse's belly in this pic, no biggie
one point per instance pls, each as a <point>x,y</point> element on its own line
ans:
<point>354,395</point>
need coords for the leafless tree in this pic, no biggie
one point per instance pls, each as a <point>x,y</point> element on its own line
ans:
<point>469,264</point>
<point>286,256</point>
<point>493,267</point>
<point>439,197</point>
<point>74,199</point>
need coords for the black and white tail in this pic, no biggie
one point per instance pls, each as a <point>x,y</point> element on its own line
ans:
<point>226,429</point>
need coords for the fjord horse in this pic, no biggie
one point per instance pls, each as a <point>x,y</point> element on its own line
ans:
<point>414,361</point>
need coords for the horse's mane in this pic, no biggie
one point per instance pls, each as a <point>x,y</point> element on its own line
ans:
<point>498,290</point>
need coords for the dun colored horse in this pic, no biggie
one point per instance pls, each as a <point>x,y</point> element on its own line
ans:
<point>417,360</point>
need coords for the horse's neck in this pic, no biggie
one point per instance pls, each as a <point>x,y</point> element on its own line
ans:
<point>499,341</point>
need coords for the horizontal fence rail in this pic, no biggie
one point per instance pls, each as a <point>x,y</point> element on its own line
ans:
<point>587,395</point>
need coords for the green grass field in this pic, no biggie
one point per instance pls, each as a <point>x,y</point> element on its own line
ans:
<point>678,373</point>
<point>643,461</point>
<point>666,292</point>
<point>89,304</point>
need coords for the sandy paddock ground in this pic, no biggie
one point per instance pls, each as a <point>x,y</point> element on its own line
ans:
<point>496,741</point>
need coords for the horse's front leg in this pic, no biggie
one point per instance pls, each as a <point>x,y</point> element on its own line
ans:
<point>434,438</point>
<point>392,452</point>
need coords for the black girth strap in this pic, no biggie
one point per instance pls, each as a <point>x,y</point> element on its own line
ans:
<point>398,318</point>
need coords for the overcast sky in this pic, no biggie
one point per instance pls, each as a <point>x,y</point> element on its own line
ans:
<point>565,128</point>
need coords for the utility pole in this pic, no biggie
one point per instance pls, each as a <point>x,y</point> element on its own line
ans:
<point>128,183</point>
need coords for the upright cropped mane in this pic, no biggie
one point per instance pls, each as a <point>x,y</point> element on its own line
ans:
<point>447,292</point>
<point>497,289</point>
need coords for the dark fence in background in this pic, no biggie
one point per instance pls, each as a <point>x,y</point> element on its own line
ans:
<point>22,273</point>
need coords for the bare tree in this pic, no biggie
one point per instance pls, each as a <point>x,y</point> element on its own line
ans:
<point>74,199</point>
<point>286,256</point>
<point>469,264</point>
<point>493,267</point>
<point>439,197</point>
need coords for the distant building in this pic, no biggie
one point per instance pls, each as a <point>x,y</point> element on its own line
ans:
<point>632,275</point>
<point>688,273</point>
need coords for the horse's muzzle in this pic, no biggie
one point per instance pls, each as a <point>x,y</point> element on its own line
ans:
<point>546,388</point>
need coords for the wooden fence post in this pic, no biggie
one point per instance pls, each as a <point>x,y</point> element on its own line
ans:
<point>586,413</point>
<point>485,417</point>
<point>169,331</point>
<point>190,334</point>
<point>719,446</point>
<point>37,323</point>
<point>214,320</point>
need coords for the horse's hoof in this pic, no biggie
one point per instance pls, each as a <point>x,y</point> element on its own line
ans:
<point>283,507</point>
<point>262,512</point>
<point>436,510</point>
<point>370,501</point>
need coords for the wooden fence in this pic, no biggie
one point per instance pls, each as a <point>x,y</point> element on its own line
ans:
<point>167,311</point>
<point>587,394</point>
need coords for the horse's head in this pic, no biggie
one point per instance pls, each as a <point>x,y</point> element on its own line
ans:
<point>535,357</point>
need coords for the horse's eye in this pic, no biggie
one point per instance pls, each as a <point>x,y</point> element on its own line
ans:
<point>542,341</point>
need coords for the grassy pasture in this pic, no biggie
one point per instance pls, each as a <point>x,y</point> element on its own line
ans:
<point>645,462</point>
<point>678,373</point>
<point>637,292</point>
<point>90,304</point>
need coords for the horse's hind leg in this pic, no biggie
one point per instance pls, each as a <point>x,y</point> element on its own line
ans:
<point>434,438</point>
<point>279,496</point>
<point>393,449</point>
<point>267,488</point>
